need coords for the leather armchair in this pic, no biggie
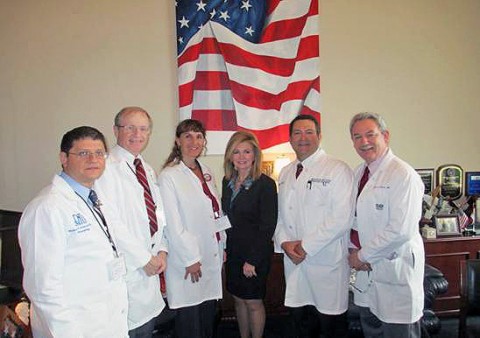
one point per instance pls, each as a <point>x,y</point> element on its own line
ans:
<point>434,284</point>
<point>469,293</point>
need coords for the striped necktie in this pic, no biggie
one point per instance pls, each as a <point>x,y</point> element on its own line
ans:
<point>150,205</point>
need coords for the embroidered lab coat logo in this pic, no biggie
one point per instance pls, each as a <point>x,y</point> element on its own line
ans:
<point>79,219</point>
<point>379,206</point>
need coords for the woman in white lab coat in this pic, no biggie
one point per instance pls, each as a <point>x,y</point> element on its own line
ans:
<point>194,232</point>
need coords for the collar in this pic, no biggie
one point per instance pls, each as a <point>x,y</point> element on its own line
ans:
<point>306,163</point>
<point>247,183</point>
<point>122,154</point>
<point>82,190</point>
<point>373,167</point>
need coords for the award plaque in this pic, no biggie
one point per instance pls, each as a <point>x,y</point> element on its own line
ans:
<point>450,179</point>
<point>427,177</point>
<point>472,183</point>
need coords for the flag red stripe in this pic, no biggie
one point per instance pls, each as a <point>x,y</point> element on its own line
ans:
<point>272,4</point>
<point>211,80</point>
<point>216,119</point>
<point>286,29</point>
<point>244,94</point>
<point>185,94</point>
<point>257,98</point>
<point>308,48</point>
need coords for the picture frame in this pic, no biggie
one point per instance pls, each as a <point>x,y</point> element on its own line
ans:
<point>472,183</point>
<point>428,177</point>
<point>450,179</point>
<point>447,225</point>
<point>267,168</point>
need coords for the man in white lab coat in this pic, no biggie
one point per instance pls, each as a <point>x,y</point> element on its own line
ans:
<point>315,211</point>
<point>390,259</point>
<point>144,218</point>
<point>74,271</point>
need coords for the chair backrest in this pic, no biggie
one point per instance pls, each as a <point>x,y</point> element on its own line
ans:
<point>11,270</point>
<point>470,284</point>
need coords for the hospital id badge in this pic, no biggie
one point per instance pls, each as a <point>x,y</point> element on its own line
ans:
<point>117,268</point>
<point>222,223</point>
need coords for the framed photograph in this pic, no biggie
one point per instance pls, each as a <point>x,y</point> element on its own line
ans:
<point>450,179</point>
<point>267,168</point>
<point>472,183</point>
<point>447,225</point>
<point>427,176</point>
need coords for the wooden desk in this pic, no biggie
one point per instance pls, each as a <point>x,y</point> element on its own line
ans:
<point>445,254</point>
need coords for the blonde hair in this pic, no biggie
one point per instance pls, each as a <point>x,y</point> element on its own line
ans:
<point>235,140</point>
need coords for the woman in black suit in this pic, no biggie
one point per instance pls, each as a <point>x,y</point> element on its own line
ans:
<point>249,198</point>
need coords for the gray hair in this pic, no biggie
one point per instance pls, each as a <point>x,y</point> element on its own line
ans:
<point>382,125</point>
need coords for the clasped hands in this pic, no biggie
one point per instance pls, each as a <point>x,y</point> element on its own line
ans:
<point>157,264</point>
<point>356,263</point>
<point>294,250</point>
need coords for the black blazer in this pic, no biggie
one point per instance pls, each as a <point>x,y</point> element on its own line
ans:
<point>253,215</point>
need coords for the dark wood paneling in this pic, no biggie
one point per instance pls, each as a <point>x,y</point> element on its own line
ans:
<point>445,254</point>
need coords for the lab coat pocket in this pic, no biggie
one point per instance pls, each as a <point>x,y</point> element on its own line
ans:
<point>317,194</point>
<point>397,270</point>
<point>331,255</point>
<point>91,319</point>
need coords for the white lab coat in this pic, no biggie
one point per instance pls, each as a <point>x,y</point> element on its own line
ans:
<point>119,182</point>
<point>191,234</point>
<point>316,208</point>
<point>65,255</point>
<point>388,211</point>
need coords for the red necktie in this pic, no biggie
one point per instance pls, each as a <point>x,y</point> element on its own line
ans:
<point>150,205</point>
<point>299,170</point>
<point>354,233</point>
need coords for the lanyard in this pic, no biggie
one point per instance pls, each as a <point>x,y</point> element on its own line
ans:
<point>103,224</point>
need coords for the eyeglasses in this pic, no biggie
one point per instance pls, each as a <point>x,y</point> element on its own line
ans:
<point>131,129</point>
<point>84,154</point>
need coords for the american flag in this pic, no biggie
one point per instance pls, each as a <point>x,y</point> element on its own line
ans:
<point>247,65</point>
<point>463,219</point>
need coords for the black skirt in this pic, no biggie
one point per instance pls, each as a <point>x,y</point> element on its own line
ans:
<point>243,287</point>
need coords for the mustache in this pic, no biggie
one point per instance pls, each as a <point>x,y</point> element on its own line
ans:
<point>366,147</point>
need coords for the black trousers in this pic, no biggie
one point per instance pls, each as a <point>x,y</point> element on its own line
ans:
<point>196,321</point>
<point>308,322</point>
